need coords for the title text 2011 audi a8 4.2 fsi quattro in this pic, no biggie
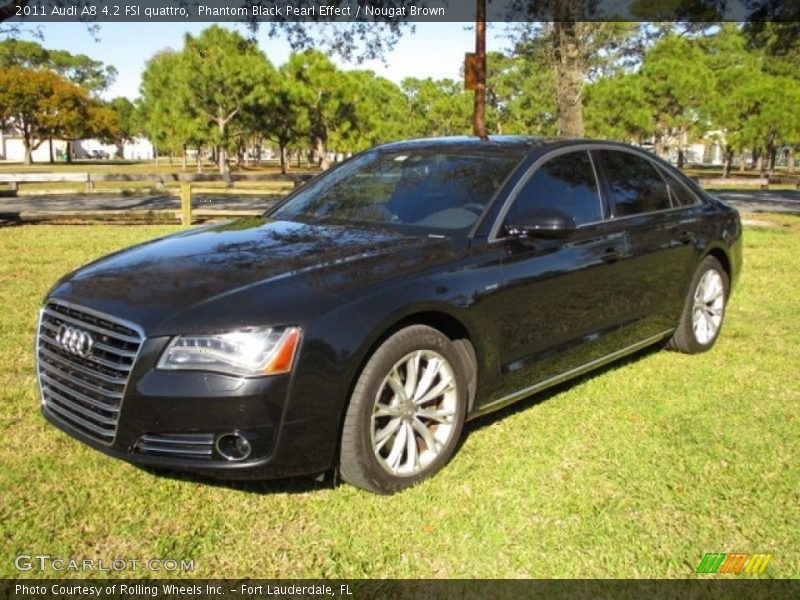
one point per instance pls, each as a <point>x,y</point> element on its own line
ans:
<point>359,323</point>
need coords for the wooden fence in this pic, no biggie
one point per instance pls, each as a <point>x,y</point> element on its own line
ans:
<point>160,181</point>
<point>743,182</point>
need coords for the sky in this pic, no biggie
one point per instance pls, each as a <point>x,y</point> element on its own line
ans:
<point>435,50</point>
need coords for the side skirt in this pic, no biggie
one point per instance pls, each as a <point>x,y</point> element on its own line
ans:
<point>566,375</point>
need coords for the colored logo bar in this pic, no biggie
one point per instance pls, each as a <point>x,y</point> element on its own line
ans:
<point>734,562</point>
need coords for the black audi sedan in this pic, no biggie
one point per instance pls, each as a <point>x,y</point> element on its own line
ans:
<point>359,323</point>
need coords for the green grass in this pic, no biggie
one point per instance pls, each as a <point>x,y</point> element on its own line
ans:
<point>635,471</point>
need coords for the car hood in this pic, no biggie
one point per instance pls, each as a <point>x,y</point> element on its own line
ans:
<point>155,283</point>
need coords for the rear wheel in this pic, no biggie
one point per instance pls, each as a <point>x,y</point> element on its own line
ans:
<point>701,320</point>
<point>406,412</point>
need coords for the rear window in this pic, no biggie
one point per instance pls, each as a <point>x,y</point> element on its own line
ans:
<point>681,195</point>
<point>637,187</point>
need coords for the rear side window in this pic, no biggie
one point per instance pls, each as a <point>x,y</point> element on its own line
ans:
<point>681,196</point>
<point>636,185</point>
<point>566,183</point>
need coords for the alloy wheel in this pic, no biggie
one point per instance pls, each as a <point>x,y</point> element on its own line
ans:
<point>414,413</point>
<point>709,302</point>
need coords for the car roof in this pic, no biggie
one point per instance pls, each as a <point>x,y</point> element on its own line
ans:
<point>466,143</point>
<point>494,143</point>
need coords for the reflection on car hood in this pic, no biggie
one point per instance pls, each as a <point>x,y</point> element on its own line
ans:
<point>152,282</point>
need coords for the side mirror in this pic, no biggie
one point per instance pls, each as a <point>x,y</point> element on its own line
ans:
<point>542,222</point>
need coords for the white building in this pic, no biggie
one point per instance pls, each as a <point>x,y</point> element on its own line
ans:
<point>12,148</point>
<point>708,151</point>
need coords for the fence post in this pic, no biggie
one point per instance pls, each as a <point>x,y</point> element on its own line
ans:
<point>186,203</point>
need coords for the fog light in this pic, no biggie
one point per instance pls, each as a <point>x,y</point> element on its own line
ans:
<point>233,446</point>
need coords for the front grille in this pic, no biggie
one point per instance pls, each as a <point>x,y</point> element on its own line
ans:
<point>189,445</point>
<point>84,360</point>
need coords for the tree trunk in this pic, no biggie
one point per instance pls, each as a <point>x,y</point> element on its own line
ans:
<point>658,145</point>
<point>52,158</point>
<point>681,147</point>
<point>199,159</point>
<point>726,164</point>
<point>222,151</point>
<point>568,72</point>
<point>320,154</point>
<point>28,153</point>
<point>790,160</point>
<point>222,160</point>
<point>479,109</point>
<point>742,160</point>
<point>69,152</point>
<point>283,158</point>
<point>773,155</point>
<point>185,157</point>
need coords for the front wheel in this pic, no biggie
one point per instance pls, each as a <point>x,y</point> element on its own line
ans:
<point>704,311</point>
<point>406,413</point>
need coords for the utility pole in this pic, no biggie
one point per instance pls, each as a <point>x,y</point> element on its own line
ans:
<point>479,113</point>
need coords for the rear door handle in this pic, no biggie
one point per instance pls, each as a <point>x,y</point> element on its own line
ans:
<point>611,254</point>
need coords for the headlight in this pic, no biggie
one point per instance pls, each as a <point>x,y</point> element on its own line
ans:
<point>250,352</point>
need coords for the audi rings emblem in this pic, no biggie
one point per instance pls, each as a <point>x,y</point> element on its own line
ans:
<point>75,341</point>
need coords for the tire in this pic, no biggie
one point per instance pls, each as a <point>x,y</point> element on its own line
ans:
<point>396,431</point>
<point>704,312</point>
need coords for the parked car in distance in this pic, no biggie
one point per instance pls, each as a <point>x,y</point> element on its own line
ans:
<point>360,322</point>
<point>99,154</point>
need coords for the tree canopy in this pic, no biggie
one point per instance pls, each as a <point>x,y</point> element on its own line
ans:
<point>666,83</point>
<point>41,105</point>
<point>80,69</point>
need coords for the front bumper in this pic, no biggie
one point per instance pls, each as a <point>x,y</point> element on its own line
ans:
<point>283,461</point>
<point>288,436</point>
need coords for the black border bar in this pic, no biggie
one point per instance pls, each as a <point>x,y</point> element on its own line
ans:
<point>393,11</point>
<point>705,588</point>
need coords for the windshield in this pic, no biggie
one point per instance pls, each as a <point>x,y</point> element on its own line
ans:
<point>431,191</point>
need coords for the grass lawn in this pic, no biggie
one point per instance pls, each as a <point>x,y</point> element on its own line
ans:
<point>635,471</point>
